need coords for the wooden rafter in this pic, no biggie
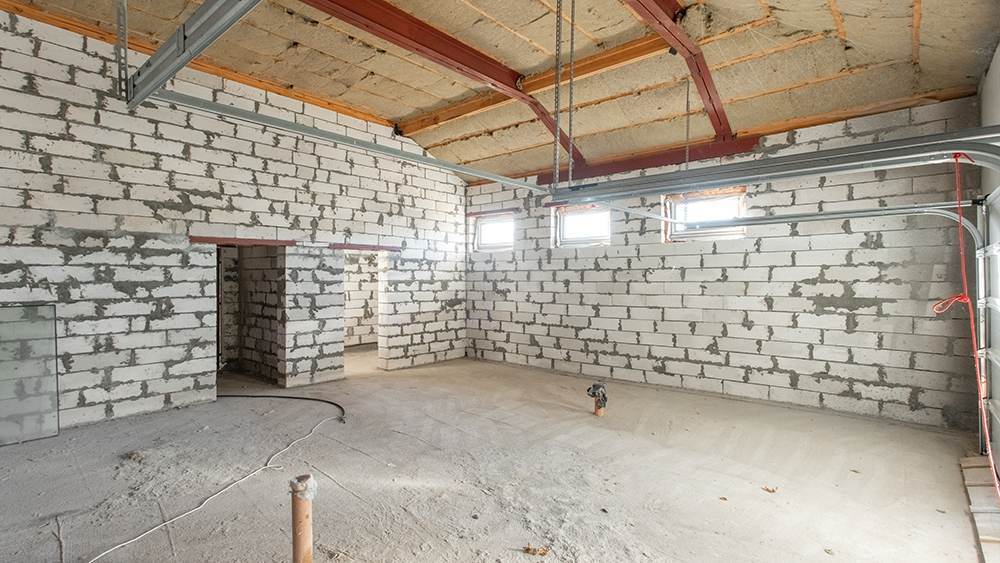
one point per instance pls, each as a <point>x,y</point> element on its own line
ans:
<point>139,45</point>
<point>838,19</point>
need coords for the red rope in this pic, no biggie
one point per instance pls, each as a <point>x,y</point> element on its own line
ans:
<point>945,304</point>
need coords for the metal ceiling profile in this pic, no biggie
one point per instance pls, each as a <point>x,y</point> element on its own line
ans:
<point>917,151</point>
<point>263,120</point>
<point>942,209</point>
<point>207,24</point>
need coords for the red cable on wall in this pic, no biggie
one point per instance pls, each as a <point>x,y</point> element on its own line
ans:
<point>945,304</point>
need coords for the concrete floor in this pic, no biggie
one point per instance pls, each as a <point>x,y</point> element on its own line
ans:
<point>471,461</point>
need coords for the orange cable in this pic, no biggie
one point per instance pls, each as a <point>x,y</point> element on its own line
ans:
<point>945,304</point>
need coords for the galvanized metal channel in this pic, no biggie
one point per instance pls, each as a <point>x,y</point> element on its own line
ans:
<point>247,116</point>
<point>207,24</point>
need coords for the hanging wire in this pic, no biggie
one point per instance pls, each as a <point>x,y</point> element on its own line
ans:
<point>557,101</point>
<point>572,72</point>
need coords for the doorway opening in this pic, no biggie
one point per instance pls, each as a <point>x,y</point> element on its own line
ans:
<point>361,312</point>
<point>249,313</point>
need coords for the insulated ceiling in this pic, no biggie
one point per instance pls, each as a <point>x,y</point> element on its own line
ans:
<point>777,64</point>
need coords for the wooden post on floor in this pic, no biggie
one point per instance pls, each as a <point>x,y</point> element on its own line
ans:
<point>303,492</point>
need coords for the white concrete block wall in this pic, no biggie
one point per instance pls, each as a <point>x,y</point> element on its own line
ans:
<point>97,204</point>
<point>421,312</point>
<point>136,315</point>
<point>832,314</point>
<point>313,323</point>
<point>260,324</point>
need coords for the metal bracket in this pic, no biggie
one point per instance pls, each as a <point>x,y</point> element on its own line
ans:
<point>990,302</point>
<point>208,23</point>
<point>992,357</point>
<point>990,250</point>
<point>121,51</point>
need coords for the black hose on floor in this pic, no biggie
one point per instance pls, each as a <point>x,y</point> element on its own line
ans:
<point>343,411</point>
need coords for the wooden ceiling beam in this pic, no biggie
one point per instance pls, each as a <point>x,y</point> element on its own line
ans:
<point>391,24</point>
<point>200,64</point>
<point>838,20</point>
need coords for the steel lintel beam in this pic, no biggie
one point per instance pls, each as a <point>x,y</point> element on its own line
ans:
<point>659,14</point>
<point>893,154</point>
<point>207,24</point>
<point>388,22</point>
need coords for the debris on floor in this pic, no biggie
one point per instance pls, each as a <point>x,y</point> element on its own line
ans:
<point>540,551</point>
<point>135,456</point>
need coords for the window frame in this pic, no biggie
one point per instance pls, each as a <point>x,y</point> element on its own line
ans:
<point>558,234</point>
<point>669,205</point>
<point>478,245</point>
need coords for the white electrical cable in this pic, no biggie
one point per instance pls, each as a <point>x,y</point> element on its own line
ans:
<point>267,465</point>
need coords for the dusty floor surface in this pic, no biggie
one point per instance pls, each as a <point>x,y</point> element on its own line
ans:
<point>471,461</point>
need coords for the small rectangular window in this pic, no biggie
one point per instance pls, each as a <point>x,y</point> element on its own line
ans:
<point>582,225</point>
<point>701,206</point>
<point>495,232</point>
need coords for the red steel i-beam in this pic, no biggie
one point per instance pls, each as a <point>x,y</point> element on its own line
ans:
<point>712,149</point>
<point>659,14</point>
<point>388,22</point>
